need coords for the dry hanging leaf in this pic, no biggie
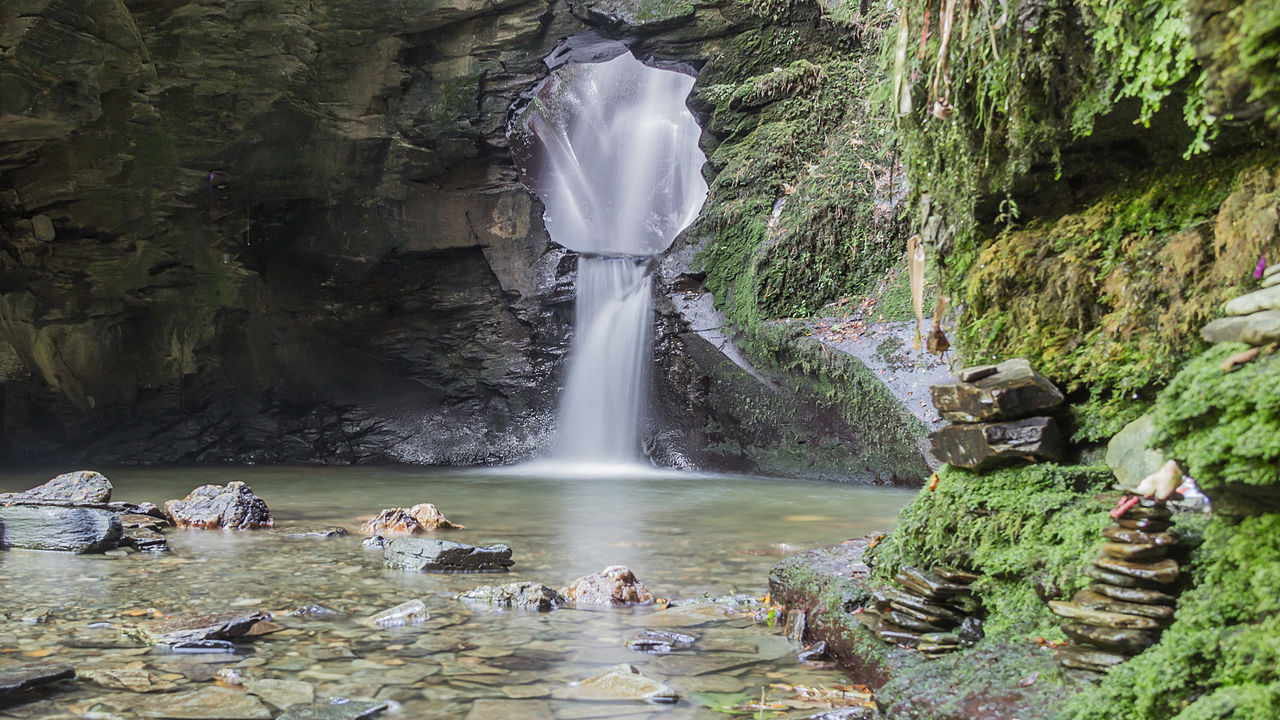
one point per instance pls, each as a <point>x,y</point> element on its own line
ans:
<point>915,267</point>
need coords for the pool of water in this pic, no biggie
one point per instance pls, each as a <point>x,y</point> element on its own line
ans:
<point>686,536</point>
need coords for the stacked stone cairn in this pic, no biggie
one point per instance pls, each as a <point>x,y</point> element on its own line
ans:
<point>1131,598</point>
<point>999,416</point>
<point>1254,318</point>
<point>928,610</point>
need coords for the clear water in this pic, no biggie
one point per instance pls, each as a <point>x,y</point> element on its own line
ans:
<point>684,536</point>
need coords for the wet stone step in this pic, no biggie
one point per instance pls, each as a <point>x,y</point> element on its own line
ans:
<point>1163,572</point>
<point>1102,618</point>
<point>1098,601</point>
<point>1082,658</point>
<point>1133,595</point>
<point>1129,642</point>
<point>1123,535</point>
<point>1134,551</point>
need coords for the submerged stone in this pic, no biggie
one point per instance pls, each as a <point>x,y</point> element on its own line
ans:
<point>614,586</point>
<point>136,680</point>
<point>1102,618</point>
<point>620,683</point>
<point>310,531</point>
<point>430,555</point>
<point>983,446</point>
<point>410,612</point>
<point>526,595</point>
<point>281,693</point>
<point>144,540</point>
<point>82,487</point>
<point>1130,642</point>
<point>349,710</point>
<point>659,642</point>
<point>233,506</point>
<point>1163,572</point>
<point>210,703</point>
<point>15,680</point>
<point>56,527</point>
<point>1014,391</point>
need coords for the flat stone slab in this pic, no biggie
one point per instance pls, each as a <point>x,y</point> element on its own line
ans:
<point>982,446</point>
<point>1098,601</point>
<point>1133,595</point>
<point>1258,328</point>
<point>350,710</point>
<point>620,683</point>
<point>82,487</point>
<point>1134,551</point>
<point>429,555</point>
<point>1129,642</point>
<point>1013,391</point>
<point>55,527</point>
<point>1102,618</point>
<point>309,531</point>
<point>1083,658</point>
<point>196,627</point>
<point>410,612</point>
<point>522,595</point>
<point>1118,534</point>
<point>210,703</point>
<point>1163,572</point>
<point>16,680</point>
<point>1257,301</point>
<point>132,679</point>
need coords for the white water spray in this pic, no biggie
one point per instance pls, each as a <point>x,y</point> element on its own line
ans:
<point>613,152</point>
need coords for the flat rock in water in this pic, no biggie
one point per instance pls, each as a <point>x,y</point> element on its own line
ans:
<point>1098,601</point>
<point>411,612</point>
<point>309,531</point>
<point>1130,642</point>
<point>1134,551</point>
<point>1014,391</point>
<point>1256,301</point>
<point>282,693</point>
<point>525,595</point>
<point>404,522</point>
<point>983,446</point>
<point>1118,534</point>
<point>1102,618</point>
<point>350,710</point>
<point>1259,328</point>
<point>229,507</point>
<point>1163,572</point>
<point>1082,658</point>
<point>56,527</point>
<point>691,615</point>
<point>1133,595</point>
<point>1129,455</point>
<point>489,709</point>
<point>145,522</point>
<point>210,703</point>
<point>82,487</point>
<point>132,679</point>
<point>190,628</point>
<point>659,642</point>
<point>621,683</point>
<point>429,555</point>
<point>18,679</point>
<point>614,586</point>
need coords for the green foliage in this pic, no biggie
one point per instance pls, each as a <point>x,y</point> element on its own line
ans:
<point>1019,528</point>
<point>1221,657</point>
<point>1225,427</point>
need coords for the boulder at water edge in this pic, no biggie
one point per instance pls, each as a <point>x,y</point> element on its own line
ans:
<point>615,585</point>
<point>525,595</point>
<point>54,527</point>
<point>82,487</point>
<point>427,555</point>
<point>230,507</point>
<point>401,522</point>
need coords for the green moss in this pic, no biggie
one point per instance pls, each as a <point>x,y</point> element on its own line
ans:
<point>1019,528</point>
<point>1107,302</point>
<point>1224,427</point>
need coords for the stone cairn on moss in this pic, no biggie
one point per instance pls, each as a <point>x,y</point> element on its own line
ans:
<point>927,610</point>
<point>1130,600</point>
<point>1253,318</point>
<point>998,416</point>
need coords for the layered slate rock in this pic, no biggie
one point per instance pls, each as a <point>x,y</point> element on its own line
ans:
<point>53,527</point>
<point>522,595</point>
<point>233,506</point>
<point>428,555</point>
<point>192,629</point>
<point>926,611</point>
<point>1013,390</point>
<point>614,586</point>
<point>983,446</point>
<point>1130,602</point>
<point>82,487</point>
<point>17,681</point>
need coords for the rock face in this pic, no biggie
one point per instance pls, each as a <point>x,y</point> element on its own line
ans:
<point>229,507</point>
<point>82,487</point>
<point>424,555</point>
<point>982,446</point>
<point>68,529</point>
<point>1013,391</point>
<point>615,585</point>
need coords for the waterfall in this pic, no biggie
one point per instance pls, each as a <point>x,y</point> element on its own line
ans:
<point>612,151</point>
